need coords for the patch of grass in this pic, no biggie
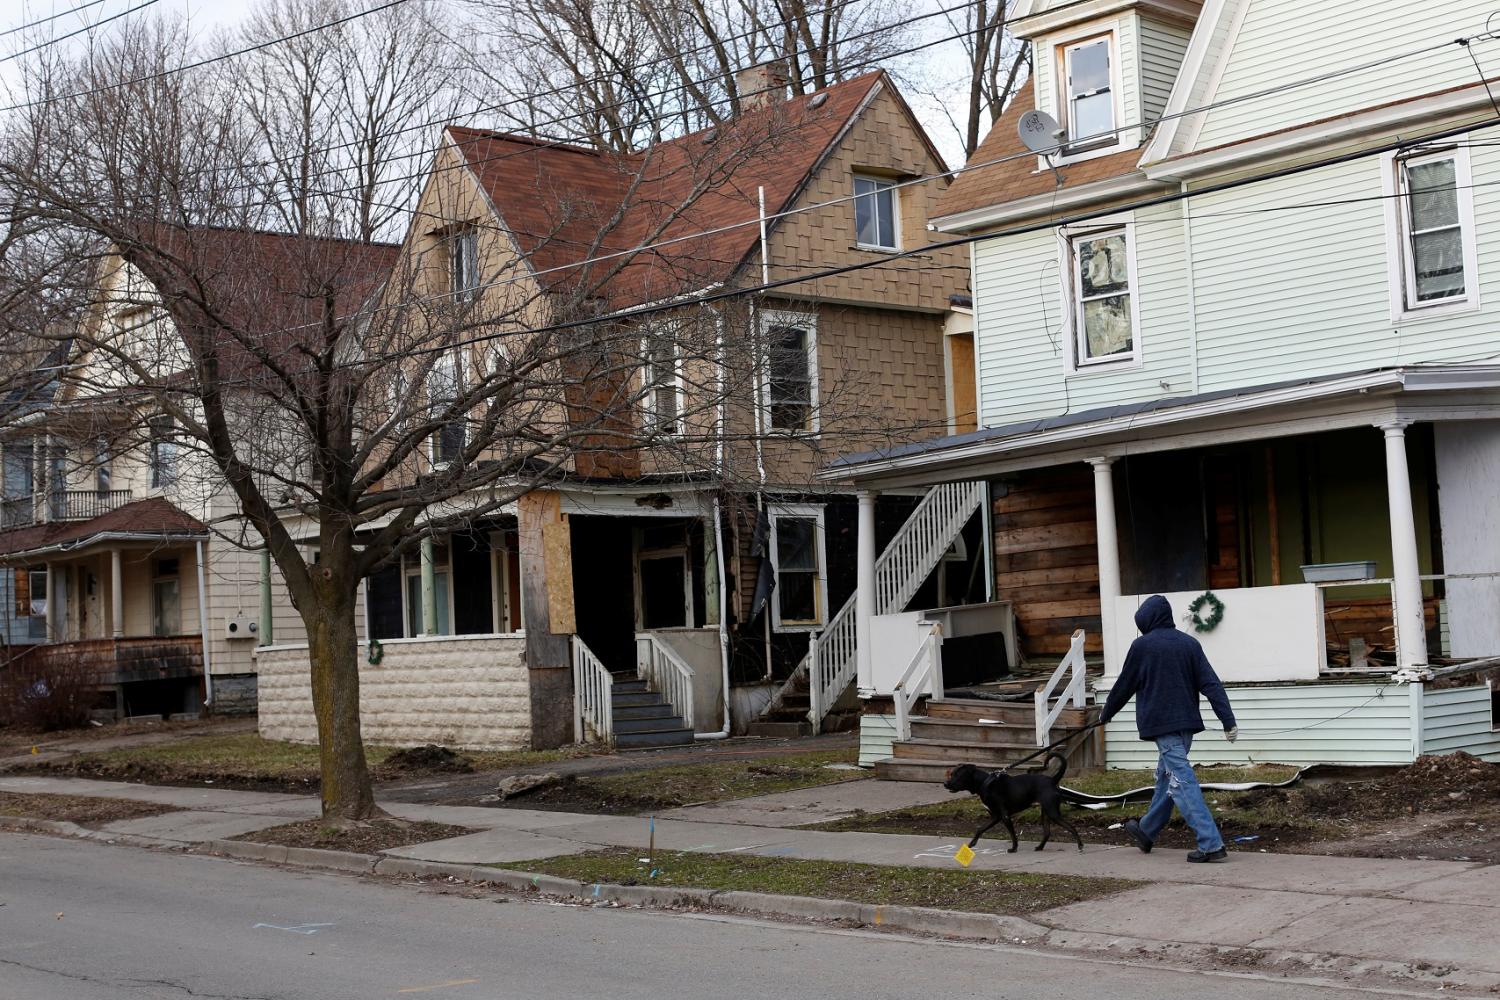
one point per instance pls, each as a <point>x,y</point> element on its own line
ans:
<point>362,838</point>
<point>883,885</point>
<point>245,760</point>
<point>82,809</point>
<point>1271,816</point>
<point>664,788</point>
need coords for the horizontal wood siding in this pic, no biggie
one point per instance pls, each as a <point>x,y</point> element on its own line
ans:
<point>1459,719</point>
<point>876,733</point>
<point>1288,724</point>
<point>1161,49</point>
<point>1046,558</point>
<point>1021,338</point>
<point>1284,40</point>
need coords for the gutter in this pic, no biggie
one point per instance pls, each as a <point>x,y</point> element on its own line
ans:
<point>64,548</point>
<point>993,215</point>
<point>208,674</point>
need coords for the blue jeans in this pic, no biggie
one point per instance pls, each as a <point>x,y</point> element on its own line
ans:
<point>1176,784</point>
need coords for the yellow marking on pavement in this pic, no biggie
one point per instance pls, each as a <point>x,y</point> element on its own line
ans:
<point>439,986</point>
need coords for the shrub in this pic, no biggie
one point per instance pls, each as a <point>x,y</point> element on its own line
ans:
<point>45,694</point>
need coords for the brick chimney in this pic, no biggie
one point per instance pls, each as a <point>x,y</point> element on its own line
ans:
<point>761,85</point>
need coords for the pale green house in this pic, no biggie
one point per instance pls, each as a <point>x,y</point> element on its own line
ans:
<point>1236,329</point>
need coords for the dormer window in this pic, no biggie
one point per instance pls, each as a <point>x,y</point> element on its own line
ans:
<point>1089,94</point>
<point>463,262</point>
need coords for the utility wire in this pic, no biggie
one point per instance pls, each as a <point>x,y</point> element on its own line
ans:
<point>83,30</point>
<point>51,17</point>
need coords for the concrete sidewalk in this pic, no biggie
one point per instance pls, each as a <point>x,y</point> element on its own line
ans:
<point>1420,913</point>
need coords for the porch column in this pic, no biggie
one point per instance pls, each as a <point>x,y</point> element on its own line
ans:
<point>54,627</point>
<point>429,590</point>
<point>116,596</point>
<point>265,628</point>
<point>1406,594</point>
<point>1109,555</point>
<point>711,581</point>
<point>864,592</point>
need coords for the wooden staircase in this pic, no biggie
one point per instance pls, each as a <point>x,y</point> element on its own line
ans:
<point>951,733</point>
<point>643,718</point>
<point>787,715</point>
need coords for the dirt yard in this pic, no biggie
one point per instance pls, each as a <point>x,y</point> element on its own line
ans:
<point>85,810</point>
<point>361,838</point>
<point>1445,807</point>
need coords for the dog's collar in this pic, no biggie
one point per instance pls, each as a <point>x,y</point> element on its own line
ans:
<point>989,779</point>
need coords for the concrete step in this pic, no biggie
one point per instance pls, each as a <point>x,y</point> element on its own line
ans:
<point>664,723</point>
<point>660,738</point>
<point>778,728</point>
<point>661,710</point>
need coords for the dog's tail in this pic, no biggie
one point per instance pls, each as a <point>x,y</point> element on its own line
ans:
<point>1062,765</point>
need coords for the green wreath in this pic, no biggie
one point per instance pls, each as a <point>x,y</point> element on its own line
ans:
<point>1215,614</point>
<point>376,654</point>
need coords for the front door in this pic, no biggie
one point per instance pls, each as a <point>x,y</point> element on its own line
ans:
<point>665,591</point>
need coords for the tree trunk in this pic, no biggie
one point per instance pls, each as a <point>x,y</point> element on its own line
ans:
<point>333,647</point>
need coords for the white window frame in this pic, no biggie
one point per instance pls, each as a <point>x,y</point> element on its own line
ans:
<point>456,357</point>
<point>463,282</point>
<point>883,185</point>
<point>805,512</point>
<point>649,385</point>
<point>1122,138</point>
<point>1074,362</point>
<point>769,320</point>
<point>1401,278</point>
<point>163,467</point>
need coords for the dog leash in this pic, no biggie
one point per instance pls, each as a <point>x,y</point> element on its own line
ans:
<point>1052,746</point>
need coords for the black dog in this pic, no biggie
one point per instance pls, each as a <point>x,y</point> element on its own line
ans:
<point>1004,795</point>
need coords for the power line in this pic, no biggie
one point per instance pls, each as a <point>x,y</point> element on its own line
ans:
<point>83,30</point>
<point>52,17</point>
<point>106,88</point>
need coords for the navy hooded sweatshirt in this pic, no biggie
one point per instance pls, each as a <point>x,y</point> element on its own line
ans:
<point>1166,668</point>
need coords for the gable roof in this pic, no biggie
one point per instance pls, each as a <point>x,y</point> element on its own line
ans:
<point>565,203</point>
<point>1016,175</point>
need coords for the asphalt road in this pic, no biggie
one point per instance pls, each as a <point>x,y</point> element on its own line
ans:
<point>86,921</point>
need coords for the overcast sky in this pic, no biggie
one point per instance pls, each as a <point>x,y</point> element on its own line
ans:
<point>209,15</point>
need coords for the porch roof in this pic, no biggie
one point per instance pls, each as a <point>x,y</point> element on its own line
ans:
<point>149,520</point>
<point>1243,413</point>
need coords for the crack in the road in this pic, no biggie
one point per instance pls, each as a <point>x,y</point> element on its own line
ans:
<point>134,983</point>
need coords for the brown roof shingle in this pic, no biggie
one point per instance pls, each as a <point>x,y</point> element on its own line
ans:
<point>152,518</point>
<point>1016,177</point>
<point>566,203</point>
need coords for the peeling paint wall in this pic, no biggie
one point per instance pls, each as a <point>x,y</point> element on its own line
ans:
<point>461,691</point>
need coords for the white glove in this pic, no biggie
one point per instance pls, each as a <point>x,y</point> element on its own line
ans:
<point>1232,733</point>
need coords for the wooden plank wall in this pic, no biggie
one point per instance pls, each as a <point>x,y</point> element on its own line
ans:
<point>1047,559</point>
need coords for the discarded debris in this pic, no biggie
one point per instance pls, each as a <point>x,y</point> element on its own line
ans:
<point>524,784</point>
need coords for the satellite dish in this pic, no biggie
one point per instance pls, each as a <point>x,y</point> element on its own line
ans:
<point>1040,132</point>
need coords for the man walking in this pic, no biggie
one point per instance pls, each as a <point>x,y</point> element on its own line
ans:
<point>1167,670</point>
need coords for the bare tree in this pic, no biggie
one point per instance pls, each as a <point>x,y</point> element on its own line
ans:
<point>618,73</point>
<point>342,114</point>
<point>355,395</point>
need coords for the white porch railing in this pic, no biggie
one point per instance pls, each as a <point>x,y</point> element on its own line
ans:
<point>899,572</point>
<point>926,665</point>
<point>593,696</point>
<point>667,674</point>
<point>1074,692</point>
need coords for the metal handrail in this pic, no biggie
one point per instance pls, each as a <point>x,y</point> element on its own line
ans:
<point>912,683</point>
<point>593,695</point>
<point>1075,691</point>
<point>668,675</point>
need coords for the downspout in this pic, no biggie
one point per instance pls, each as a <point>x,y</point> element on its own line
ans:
<point>723,627</point>
<point>208,675</point>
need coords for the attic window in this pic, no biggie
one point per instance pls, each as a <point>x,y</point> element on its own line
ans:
<point>463,262</point>
<point>875,212</point>
<point>1088,76</point>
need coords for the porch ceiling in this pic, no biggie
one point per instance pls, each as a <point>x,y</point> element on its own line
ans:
<point>1233,415</point>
